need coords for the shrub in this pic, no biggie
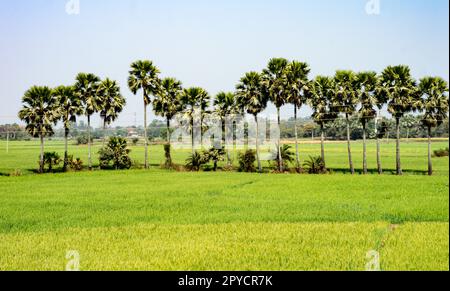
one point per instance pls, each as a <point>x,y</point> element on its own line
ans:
<point>315,165</point>
<point>16,173</point>
<point>247,161</point>
<point>115,155</point>
<point>215,155</point>
<point>441,153</point>
<point>83,140</point>
<point>196,161</point>
<point>168,162</point>
<point>51,159</point>
<point>286,155</point>
<point>75,164</point>
<point>135,141</point>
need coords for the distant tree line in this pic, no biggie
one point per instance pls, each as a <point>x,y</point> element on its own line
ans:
<point>356,98</point>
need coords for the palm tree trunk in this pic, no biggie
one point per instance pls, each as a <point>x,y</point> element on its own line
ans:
<point>299,167</point>
<point>280,160</point>
<point>145,138</point>
<point>379,166</point>
<point>257,145</point>
<point>66,151</point>
<point>322,142</point>
<point>169,155</point>
<point>41,160</point>
<point>398,162</point>
<point>364,149</point>
<point>104,131</point>
<point>430,162</point>
<point>192,135</point>
<point>89,143</point>
<point>349,147</point>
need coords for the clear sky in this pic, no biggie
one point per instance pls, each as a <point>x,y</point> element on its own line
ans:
<point>211,43</point>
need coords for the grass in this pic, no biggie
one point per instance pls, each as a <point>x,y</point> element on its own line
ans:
<point>160,220</point>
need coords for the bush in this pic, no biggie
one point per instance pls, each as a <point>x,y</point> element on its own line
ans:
<point>83,140</point>
<point>215,155</point>
<point>315,165</point>
<point>135,141</point>
<point>196,161</point>
<point>115,155</point>
<point>286,155</point>
<point>16,173</point>
<point>168,163</point>
<point>247,161</point>
<point>51,159</point>
<point>441,153</point>
<point>75,164</point>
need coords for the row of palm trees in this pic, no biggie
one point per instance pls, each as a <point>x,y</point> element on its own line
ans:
<point>282,82</point>
<point>44,107</point>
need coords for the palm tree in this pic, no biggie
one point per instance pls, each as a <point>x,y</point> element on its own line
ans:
<point>320,100</point>
<point>111,104</point>
<point>382,98</point>
<point>297,87</point>
<point>86,88</point>
<point>193,99</point>
<point>367,83</point>
<point>144,76</point>
<point>167,104</point>
<point>435,104</point>
<point>225,105</point>
<point>251,98</point>
<point>40,112</point>
<point>274,84</point>
<point>400,87</point>
<point>345,101</point>
<point>70,106</point>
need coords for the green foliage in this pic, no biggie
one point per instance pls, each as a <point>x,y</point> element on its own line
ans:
<point>115,154</point>
<point>195,161</point>
<point>287,155</point>
<point>135,141</point>
<point>83,139</point>
<point>441,153</point>
<point>168,163</point>
<point>215,155</point>
<point>247,161</point>
<point>315,165</point>
<point>51,159</point>
<point>75,164</point>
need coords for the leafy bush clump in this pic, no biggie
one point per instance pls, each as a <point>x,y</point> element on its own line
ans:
<point>196,161</point>
<point>441,153</point>
<point>315,165</point>
<point>247,161</point>
<point>135,141</point>
<point>215,155</point>
<point>75,164</point>
<point>16,173</point>
<point>83,140</point>
<point>51,159</point>
<point>115,155</point>
<point>287,157</point>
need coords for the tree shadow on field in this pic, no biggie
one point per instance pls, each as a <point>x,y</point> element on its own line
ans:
<point>375,171</point>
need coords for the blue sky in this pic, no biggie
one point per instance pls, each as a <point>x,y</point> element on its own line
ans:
<point>211,43</point>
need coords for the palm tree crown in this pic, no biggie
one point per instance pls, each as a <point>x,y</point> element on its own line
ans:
<point>434,100</point>
<point>167,102</point>
<point>249,94</point>
<point>40,111</point>
<point>86,88</point>
<point>274,81</point>
<point>69,104</point>
<point>112,102</point>
<point>144,76</point>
